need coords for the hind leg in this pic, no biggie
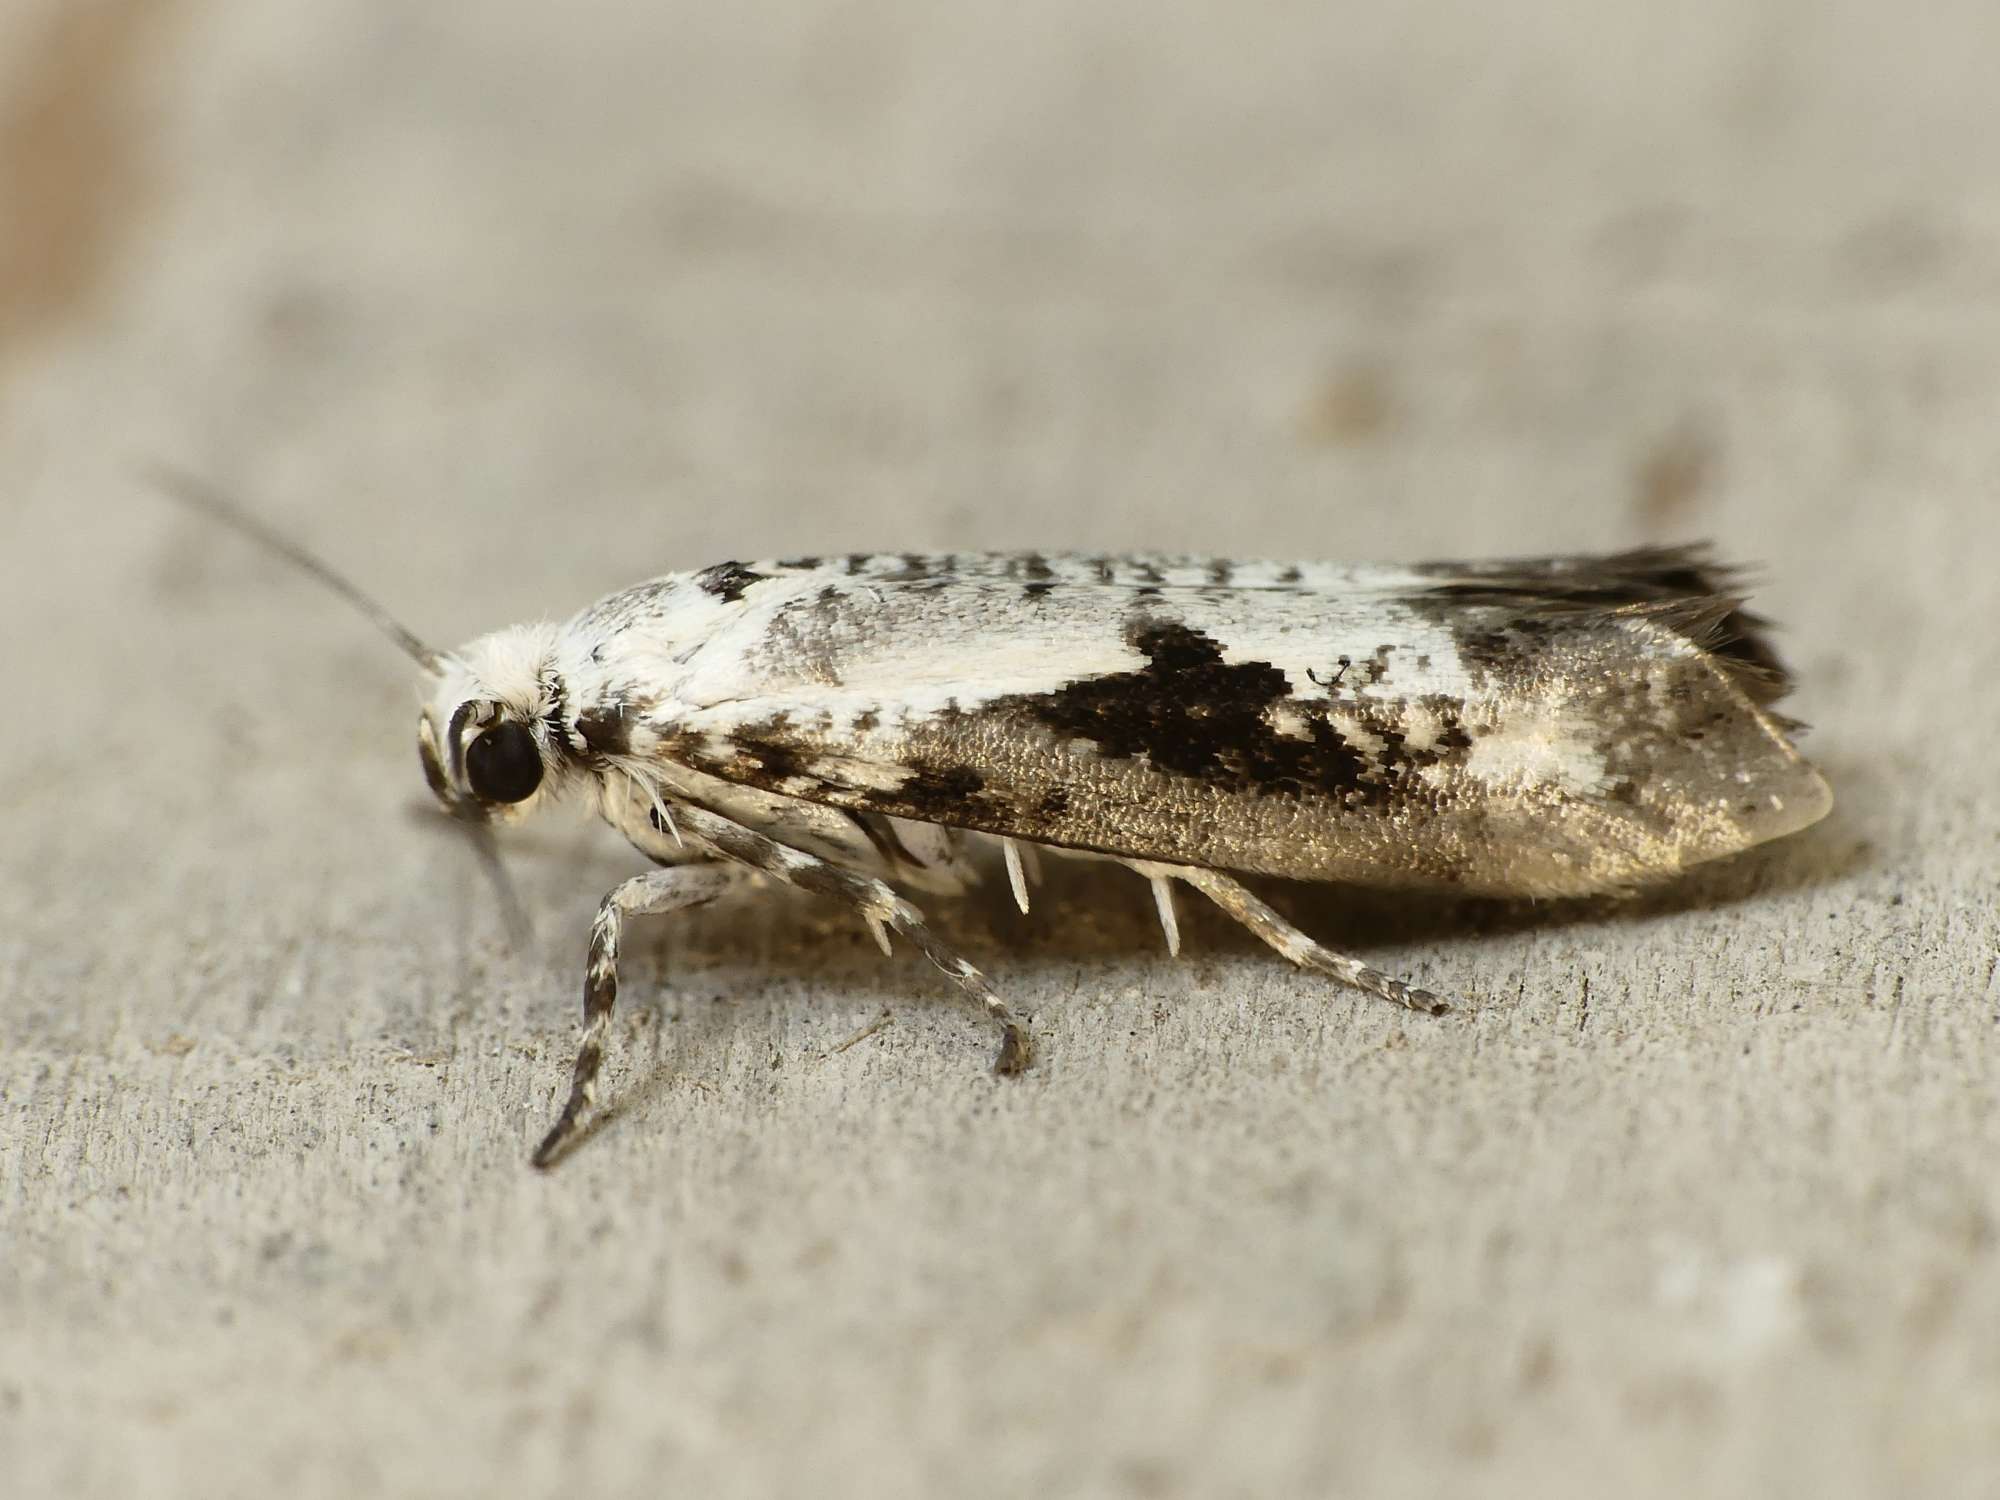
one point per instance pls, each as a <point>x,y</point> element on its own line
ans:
<point>1234,898</point>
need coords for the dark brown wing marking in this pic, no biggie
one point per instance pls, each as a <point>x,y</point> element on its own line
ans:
<point>1686,589</point>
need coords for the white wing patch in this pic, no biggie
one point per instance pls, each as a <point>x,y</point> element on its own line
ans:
<point>1527,749</point>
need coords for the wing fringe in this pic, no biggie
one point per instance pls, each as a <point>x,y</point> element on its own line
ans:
<point>1684,588</point>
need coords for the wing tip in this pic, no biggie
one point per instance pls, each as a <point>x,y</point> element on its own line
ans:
<point>1682,585</point>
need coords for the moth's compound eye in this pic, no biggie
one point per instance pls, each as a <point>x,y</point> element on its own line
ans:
<point>503,764</point>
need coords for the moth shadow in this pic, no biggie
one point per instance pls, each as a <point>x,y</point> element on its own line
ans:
<point>1364,921</point>
<point>1359,918</point>
<point>709,975</point>
<point>1085,912</point>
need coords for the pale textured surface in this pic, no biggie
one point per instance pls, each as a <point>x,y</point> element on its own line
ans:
<point>503,310</point>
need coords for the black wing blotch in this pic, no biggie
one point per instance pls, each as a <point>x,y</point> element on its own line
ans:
<point>1191,713</point>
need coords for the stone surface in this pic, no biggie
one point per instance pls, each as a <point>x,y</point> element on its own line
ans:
<point>502,307</point>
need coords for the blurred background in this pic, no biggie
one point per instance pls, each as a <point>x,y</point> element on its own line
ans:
<point>502,307</point>
<point>1446,277</point>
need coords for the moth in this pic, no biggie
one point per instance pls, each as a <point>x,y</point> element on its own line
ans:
<point>1538,727</point>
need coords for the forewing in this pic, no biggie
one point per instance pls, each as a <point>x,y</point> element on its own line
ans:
<point>1532,727</point>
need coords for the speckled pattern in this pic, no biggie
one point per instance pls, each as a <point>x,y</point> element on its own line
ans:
<point>1693,1195</point>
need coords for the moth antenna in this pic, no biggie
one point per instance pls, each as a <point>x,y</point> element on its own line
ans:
<point>203,497</point>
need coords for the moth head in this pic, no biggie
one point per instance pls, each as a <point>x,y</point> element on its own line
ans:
<point>486,732</point>
<point>483,732</point>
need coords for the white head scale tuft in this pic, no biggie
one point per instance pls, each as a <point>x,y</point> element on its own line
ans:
<point>488,734</point>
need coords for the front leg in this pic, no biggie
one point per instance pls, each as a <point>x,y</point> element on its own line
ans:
<point>651,894</point>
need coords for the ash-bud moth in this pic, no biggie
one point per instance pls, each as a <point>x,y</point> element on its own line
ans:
<point>1554,726</point>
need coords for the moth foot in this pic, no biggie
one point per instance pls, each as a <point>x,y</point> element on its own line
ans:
<point>1233,898</point>
<point>1411,998</point>
<point>1016,1050</point>
<point>555,1145</point>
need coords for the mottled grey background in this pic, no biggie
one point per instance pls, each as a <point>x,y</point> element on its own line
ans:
<point>504,306</point>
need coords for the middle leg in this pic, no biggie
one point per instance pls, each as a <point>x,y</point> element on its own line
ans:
<point>873,901</point>
<point>1236,899</point>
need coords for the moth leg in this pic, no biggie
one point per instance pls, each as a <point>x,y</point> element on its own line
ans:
<point>1231,896</point>
<point>652,894</point>
<point>1163,903</point>
<point>874,902</point>
<point>1017,875</point>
